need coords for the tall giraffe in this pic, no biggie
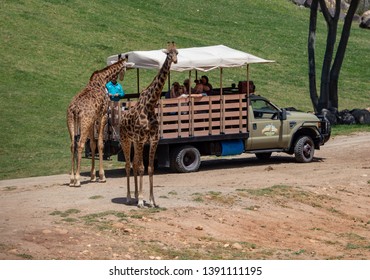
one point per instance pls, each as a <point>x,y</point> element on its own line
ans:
<point>89,106</point>
<point>139,125</point>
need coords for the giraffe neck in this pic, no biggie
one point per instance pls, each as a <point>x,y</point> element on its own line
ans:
<point>154,90</point>
<point>101,77</point>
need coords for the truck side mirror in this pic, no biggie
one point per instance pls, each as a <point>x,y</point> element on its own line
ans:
<point>282,114</point>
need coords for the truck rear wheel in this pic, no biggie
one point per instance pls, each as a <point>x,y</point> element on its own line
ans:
<point>185,159</point>
<point>304,149</point>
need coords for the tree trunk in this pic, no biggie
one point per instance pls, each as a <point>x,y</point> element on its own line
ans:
<point>332,24</point>
<point>330,72</point>
<point>335,70</point>
<point>311,55</point>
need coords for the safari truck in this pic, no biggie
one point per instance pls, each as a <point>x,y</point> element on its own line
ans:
<point>230,121</point>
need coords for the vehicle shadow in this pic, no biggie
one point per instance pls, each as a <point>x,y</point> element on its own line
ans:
<point>217,164</point>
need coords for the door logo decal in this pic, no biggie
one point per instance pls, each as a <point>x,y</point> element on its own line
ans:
<point>269,130</point>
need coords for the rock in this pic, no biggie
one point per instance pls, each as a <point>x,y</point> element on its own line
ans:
<point>365,20</point>
<point>362,116</point>
<point>299,2</point>
<point>331,115</point>
<point>199,228</point>
<point>345,117</point>
<point>237,246</point>
<point>269,168</point>
<point>118,225</point>
<point>46,231</point>
<point>61,231</point>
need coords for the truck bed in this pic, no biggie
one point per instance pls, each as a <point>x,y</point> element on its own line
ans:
<point>189,117</point>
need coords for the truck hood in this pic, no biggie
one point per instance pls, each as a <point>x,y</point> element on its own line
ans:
<point>293,115</point>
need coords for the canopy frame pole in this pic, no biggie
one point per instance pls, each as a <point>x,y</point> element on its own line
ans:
<point>138,80</point>
<point>189,86</point>
<point>221,76</point>
<point>248,79</point>
<point>169,81</point>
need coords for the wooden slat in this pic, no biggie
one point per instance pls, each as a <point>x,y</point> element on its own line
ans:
<point>232,130</point>
<point>232,122</point>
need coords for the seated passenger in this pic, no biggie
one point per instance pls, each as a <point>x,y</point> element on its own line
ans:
<point>175,91</point>
<point>198,89</point>
<point>207,87</point>
<point>187,87</point>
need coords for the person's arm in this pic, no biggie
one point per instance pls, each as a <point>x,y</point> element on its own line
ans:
<point>172,93</point>
<point>120,92</point>
<point>108,90</point>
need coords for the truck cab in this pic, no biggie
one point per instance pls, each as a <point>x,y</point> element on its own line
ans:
<point>272,129</point>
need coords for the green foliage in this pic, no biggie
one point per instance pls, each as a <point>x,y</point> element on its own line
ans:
<point>348,129</point>
<point>50,48</point>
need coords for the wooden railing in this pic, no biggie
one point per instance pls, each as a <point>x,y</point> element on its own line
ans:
<point>201,116</point>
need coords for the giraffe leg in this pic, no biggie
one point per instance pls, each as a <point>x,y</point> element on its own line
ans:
<point>126,146</point>
<point>102,123</point>
<point>92,148</point>
<point>138,158</point>
<point>135,168</point>
<point>73,158</point>
<point>85,127</point>
<point>80,147</point>
<point>153,148</point>
<point>71,130</point>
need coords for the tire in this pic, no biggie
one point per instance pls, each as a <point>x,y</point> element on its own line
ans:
<point>304,149</point>
<point>185,159</point>
<point>263,156</point>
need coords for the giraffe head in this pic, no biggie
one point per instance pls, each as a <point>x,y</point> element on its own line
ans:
<point>122,72</point>
<point>171,51</point>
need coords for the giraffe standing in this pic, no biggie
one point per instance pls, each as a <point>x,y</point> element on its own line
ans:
<point>89,106</point>
<point>139,125</point>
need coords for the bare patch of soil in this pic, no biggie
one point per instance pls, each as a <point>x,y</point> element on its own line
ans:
<point>233,208</point>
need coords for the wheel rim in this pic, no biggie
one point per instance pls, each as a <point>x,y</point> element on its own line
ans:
<point>307,149</point>
<point>189,158</point>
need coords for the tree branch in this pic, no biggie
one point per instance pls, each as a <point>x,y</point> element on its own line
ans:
<point>325,11</point>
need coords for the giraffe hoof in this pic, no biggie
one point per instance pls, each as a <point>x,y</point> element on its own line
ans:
<point>153,205</point>
<point>140,204</point>
<point>72,183</point>
<point>93,179</point>
<point>102,180</point>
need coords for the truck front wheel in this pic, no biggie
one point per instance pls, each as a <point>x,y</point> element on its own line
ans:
<point>185,159</point>
<point>304,149</point>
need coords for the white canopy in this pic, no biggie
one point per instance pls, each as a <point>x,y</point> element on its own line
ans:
<point>198,58</point>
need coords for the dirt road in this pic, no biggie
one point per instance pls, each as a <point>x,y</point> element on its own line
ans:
<point>233,208</point>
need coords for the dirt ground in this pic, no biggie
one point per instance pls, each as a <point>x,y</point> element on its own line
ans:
<point>233,208</point>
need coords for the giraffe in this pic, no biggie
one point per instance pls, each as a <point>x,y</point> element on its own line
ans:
<point>139,125</point>
<point>90,105</point>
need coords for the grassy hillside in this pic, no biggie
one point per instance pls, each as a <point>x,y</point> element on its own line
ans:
<point>50,48</point>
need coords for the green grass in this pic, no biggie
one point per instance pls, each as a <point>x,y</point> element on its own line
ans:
<point>50,48</point>
<point>348,129</point>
